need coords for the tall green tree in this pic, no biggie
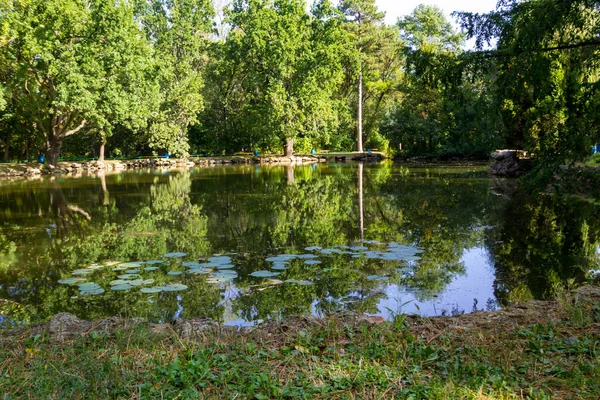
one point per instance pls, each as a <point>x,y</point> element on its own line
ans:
<point>74,65</point>
<point>548,65</point>
<point>362,21</point>
<point>179,31</point>
<point>289,68</point>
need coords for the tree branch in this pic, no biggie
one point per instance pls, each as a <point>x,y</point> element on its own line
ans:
<point>73,131</point>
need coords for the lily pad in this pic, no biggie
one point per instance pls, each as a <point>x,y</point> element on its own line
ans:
<point>121,287</point>
<point>174,273</point>
<point>93,292</point>
<point>111,263</point>
<point>155,289</point>
<point>201,271</point>
<point>132,271</point>
<point>175,255</point>
<point>282,258</point>
<point>191,264</point>
<point>225,266</point>
<point>174,287</point>
<point>312,262</point>
<point>70,281</point>
<point>154,262</point>
<point>264,274</point>
<point>88,286</point>
<point>313,248</point>
<point>151,268</point>
<point>279,266</point>
<point>377,278</point>
<point>307,256</point>
<point>220,260</point>
<point>82,272</point>
<point>119,282</point>
<point>331,251</point>
<point>135,264</point>
<point>218,277</point>
<point>359,248</point>
<point>128,276</point>
<point>225,272</point>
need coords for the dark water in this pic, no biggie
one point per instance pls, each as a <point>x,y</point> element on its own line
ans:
<point>379,239</point>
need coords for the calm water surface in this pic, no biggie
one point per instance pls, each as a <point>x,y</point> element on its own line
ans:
<point>245,244</point>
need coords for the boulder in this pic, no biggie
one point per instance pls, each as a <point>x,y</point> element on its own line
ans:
<point>509,163</point>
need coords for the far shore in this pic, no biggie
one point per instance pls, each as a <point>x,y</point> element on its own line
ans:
<point>36,169</point>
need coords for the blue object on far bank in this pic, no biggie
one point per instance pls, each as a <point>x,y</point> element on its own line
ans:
<point>368,150</point>
<point>595,149</point>
<point>312,151</point>
<point>167,154</point>
<point>41,158</point>
<point>255,153</point>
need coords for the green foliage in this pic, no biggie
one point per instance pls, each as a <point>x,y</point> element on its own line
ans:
<point>178,30</point>
<point>72,66</point>
<point>547,74</point>
<point>446,108</point>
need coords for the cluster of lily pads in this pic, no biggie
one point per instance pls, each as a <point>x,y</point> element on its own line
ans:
<point>392,252</point>
<point>220,268</point>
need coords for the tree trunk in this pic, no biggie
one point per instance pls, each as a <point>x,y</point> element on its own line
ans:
<point>361,210</point>
<point>289,170</point>
<point>53,146</point>
<point>6,145</point>
<point>101,155</point>
<point>359,113</point>
<point>289,147</point>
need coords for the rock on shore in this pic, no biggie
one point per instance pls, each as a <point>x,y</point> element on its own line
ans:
<point>510,163</point>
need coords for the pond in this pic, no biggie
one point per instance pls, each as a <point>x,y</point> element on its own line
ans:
<point>248,244</point>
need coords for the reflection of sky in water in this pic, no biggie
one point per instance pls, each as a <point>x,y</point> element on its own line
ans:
<point>476,283</point>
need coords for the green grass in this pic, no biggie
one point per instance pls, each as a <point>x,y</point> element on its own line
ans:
<point>408,358</point>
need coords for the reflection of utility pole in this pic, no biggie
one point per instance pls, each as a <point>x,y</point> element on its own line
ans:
<point>360,201</point>
<point>106,200</point>
<point>289,169</point>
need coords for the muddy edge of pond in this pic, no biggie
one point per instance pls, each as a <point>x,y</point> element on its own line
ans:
<point>65,327</point>
<point>16,170</point>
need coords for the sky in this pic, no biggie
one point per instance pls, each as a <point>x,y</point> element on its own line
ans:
<point>397,8</point>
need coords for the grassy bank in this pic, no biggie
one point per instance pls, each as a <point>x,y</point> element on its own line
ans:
<point>537,350</point>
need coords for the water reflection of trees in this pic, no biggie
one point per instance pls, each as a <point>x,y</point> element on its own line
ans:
<point>541,244</point>
<point>256,212</point>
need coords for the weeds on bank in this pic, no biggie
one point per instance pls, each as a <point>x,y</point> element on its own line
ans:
<point>333,360</point>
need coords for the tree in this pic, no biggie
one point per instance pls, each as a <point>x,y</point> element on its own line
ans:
<point>76,65</point>
<point>179,31</point>
<point>547,60</point>
<point>362,20</point>
<point>290,68</point>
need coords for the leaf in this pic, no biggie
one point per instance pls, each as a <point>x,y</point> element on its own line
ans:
<point>174,287</point>
<point>82,272</point>
<point>174,255</point>
<point>264,274</point>
<point>121,287</point>
<point>155,289</point>
<point>312,262</point>
<point>128,276</point>
<point>70,281</point>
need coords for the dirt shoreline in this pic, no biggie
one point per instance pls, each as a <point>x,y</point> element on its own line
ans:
<point>65,326</point>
